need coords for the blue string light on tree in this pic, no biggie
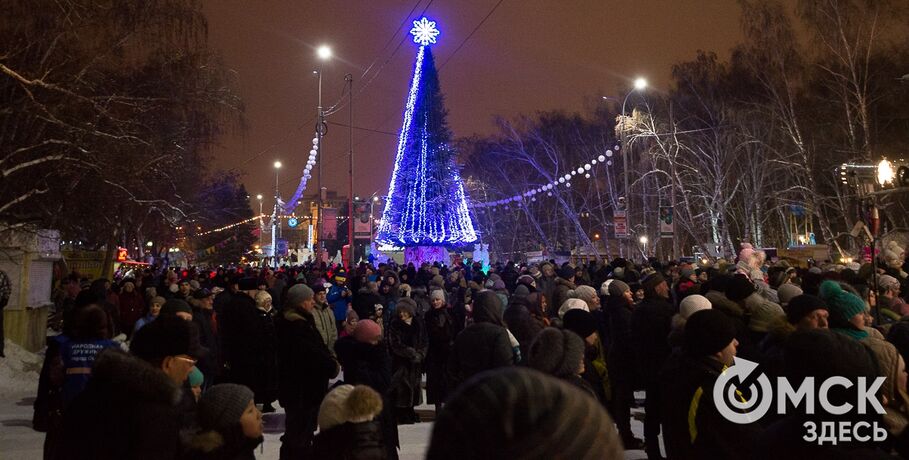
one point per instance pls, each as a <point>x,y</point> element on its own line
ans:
<point>426,204</point>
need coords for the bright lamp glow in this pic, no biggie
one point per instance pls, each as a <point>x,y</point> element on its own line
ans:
<point>259,197</point>
<point>324,52</point>
<point>643,240</point>
<point>277,165</point>
<point>640,84</point>
<point>885,172</point>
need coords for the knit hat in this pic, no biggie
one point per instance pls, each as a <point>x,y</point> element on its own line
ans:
<point>366,331</point>
<point>519,413</point>
<point>579,321</point>
<point>887,282</point>
<point>437,280</point>
<point>522,290</point>
<point>348,403</point>
<point>572,304</point>
<point>618,288</point>
<point>166,336</point>
<point>763,314</point>
<point>583,292</point>
<point>222,405</point>
<point>566,272</point>
<point>842,305</point>
<point>195,377</point>
<point>194,284</point>
<point>686,273</point>
<point>297,294</point>
<point>801,306</point>
<point>708,332</point>
<point>174,306</point>
<point>787,292</point>
<point>692,304</point>
<point>556,352</point>
<point>526,279</point>
<point>534,272</point>
<point>437,294</point>
<point>618,273</point>
<point>739,288</point>
<point>202,294</point>
<point>317,288</point>
<point>158,300</point>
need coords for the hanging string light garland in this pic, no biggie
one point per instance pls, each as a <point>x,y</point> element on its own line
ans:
<point>307,174</point>
<point>561,180</point>
<point>246,221</point>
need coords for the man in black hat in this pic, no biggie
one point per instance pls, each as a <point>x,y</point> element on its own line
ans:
<point>203,315</point>
<point>692,426</point>
<point>650,326</point>
<point>129,407</point>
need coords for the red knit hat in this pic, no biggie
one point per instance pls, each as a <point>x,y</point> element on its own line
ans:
<point>367,330</point>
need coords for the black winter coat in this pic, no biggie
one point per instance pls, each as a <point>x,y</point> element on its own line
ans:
<point>440,333</point>
<point>620,359</point>
<point>408,350</point>
<point>210,364</point>
<point>650,325</point>
<point>305,364</point>
<point>351,441</point>
<point>479,347</point>
<point>519,321</point>
<point>127,410</point>
<point>714,436</point>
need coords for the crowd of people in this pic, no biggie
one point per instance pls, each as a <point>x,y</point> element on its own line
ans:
<point>520,360</point>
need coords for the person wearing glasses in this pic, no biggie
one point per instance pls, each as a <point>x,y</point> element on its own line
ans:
<point>129,407</point>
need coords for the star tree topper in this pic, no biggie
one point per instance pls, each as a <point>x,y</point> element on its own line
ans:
<point>424,31</point>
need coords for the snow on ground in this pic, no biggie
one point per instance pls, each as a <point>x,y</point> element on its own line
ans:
<point>18,441</point>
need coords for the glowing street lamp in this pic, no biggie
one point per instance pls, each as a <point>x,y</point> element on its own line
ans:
<point>640,83</point>
<point>324,52</point>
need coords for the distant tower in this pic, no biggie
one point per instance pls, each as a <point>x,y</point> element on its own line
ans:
<point>426,211</point>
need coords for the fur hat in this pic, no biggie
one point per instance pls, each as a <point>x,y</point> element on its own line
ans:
<point>366,331</point>
<point>222,405</point>
<point>437,294</point>
<point>297,294</point>
<point>739,288</point>
<point>166,336</point>
<point>556,352</point>
<point>746,252</point>
<point>801,306</point>
<point>787,292</point>
<point>566,272</point>
<point>580,321</point>
<point>618,288</point>
<point>692,304</point>
<point>520,413</point>
<point>572,304</point>
<point>708,332</point>
<point>349,404</point>
<point>406,304</point>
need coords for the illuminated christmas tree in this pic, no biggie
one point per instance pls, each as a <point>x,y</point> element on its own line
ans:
<point>426,204</point>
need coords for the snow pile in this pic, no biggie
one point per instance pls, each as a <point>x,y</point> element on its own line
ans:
<point>19,370</point>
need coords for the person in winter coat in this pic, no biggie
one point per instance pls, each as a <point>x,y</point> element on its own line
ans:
<point>366,300</point>
<point>761,313</point>
<point>560,353</point>
<point>521,323</point>
<point>692,426</point>
<point>822,354</point>
<point>365,359</point>
<point>325,317</point>
<point>305,365</point>
<point>620,360</point>
<point>562,285</point>
<point>230,425</point>
<point>716,294</point>
<point>202,302</point>
<point>482,345</point>
<point>132,306</point>
<point>519,413</point>
<point>340,297</point>
<point>440,337</point>
<point>690,305</point>
<point>152,312</point>
<point>595,372</point>
<point>128,409</point>
<point>348,428</point>
<point>847,313</point>
<point>264,345</point>
<point>650,326</point>
<point>407,344</point>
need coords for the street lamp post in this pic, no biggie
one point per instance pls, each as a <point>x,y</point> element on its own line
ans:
<point>261,221</point>
<point>324,54</point>
<point>639,85</point>
<point>274,220</point>
<point>643,241</point>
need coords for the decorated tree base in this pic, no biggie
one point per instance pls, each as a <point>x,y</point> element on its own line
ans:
<point>429,254</point>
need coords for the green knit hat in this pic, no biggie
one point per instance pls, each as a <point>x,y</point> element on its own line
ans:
<point>842,305</point>
<point>195,377</point>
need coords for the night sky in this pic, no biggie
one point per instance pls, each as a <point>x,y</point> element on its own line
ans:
<point>529,55</point>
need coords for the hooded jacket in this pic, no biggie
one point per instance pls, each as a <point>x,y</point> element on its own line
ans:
<point>481,346</point>
<point>127,410</point>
